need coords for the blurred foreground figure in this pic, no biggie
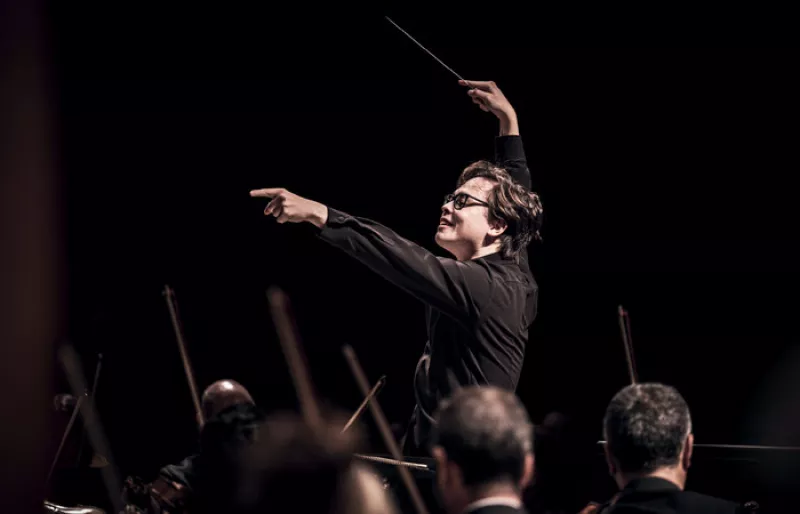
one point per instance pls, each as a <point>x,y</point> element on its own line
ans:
<point>298,469</point>
<point>31,251</point>
<point>483,446</point>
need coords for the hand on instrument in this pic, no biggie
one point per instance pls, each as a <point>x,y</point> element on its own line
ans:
<point>490,98</point>
<point>287,206</point>
<point>591,508</point>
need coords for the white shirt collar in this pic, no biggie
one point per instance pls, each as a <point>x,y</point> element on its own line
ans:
<point>493,500</point>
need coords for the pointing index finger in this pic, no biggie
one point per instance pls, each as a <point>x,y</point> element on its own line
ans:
<point>265,193</point>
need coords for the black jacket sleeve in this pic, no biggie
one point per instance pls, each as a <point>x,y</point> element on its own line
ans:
<point>510,154</point>
<point>458,289</point>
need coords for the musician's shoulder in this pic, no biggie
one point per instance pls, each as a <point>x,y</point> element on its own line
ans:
<point>181,473</point>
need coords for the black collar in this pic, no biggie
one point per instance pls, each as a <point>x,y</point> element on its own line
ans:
<point>650,485</point>
<point>496,256</point>
<point>500,259</point>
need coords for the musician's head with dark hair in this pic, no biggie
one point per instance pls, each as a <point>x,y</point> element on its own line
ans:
<point>483,445</point>
<point>648,432</point>
<point>489,211</point>
<point>223,394</point>
<point>300,469</point>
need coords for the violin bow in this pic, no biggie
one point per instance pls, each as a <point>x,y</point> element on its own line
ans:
<point>375,390</point>
<point>70,423</point>
<point>93,392</point>
<point>295,359</point>
<point>91,421</point>
<point>394,462</point>
<point>172,305</point>
<point>72,419</point>
<point>625,330</point>
<point>386,431</point>
<point>298,369</point>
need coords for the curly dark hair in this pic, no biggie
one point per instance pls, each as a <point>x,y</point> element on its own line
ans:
<point>510,202</point>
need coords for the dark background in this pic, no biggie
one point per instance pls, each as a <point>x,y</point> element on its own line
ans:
<point>667,177</point>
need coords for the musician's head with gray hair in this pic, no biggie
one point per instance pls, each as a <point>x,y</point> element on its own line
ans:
<point>483,445</point>
<point>648,432</point>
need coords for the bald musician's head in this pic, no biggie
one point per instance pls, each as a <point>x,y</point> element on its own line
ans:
<point>223,394</point>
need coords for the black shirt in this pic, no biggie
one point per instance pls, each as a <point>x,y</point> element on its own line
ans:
<point>478,311</point>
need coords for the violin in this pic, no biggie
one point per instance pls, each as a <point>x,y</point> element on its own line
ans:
<point>54,508</point>
<point>159,496</point>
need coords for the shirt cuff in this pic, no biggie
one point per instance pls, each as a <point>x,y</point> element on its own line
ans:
<point>335,219</point>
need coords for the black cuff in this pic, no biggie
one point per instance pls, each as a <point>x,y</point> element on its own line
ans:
<point>335,217</point>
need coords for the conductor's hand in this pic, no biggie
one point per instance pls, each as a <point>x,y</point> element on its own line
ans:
<point>490,98</point>
<point>287,206</point>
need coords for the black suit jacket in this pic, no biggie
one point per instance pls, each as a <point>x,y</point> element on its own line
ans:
<point>659,496</point>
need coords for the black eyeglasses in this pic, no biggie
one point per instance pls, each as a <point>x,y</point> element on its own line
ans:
<point>460,200</point>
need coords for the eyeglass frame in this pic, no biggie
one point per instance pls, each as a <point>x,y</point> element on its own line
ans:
<point>451,197</point>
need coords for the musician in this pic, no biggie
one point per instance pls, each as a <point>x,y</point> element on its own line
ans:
<point>648,432</point>
<point>218,397</point>
<point>207,480</point>
<point>483,446</point>
<point>480,303</point>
